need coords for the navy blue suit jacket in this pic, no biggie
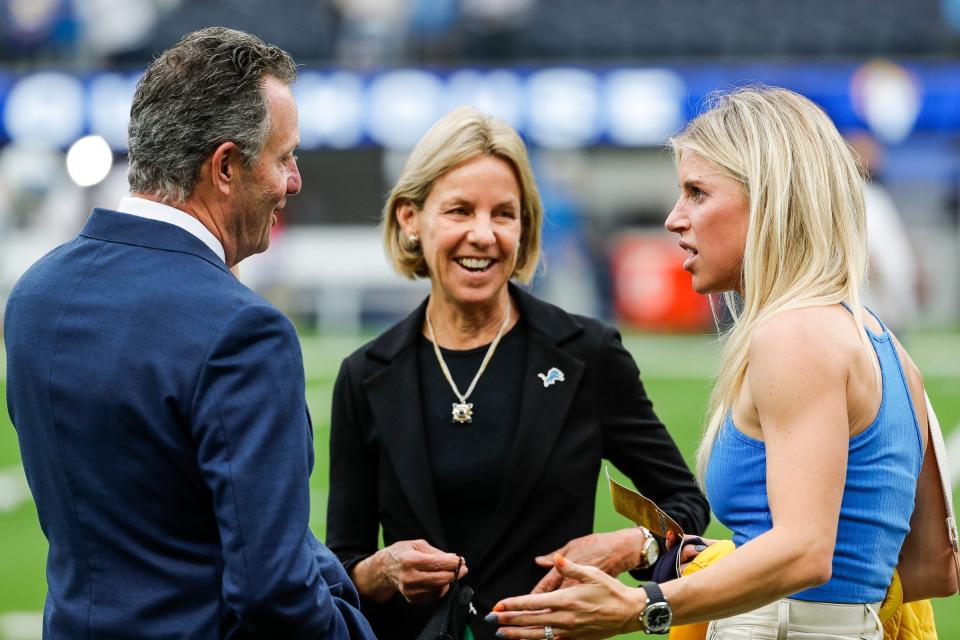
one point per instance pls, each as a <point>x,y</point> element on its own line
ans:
<point>160,409</point>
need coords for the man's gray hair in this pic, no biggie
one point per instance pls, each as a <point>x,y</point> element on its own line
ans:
<point>206,90</point>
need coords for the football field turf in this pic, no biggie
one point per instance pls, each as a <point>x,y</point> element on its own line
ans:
<point>675,369</point>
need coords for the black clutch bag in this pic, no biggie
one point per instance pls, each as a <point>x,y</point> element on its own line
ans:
<point>450,617</point>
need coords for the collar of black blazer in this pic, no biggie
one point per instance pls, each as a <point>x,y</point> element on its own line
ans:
<point>542,317</point>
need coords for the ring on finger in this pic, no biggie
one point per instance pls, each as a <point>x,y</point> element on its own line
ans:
<point>548,632</point>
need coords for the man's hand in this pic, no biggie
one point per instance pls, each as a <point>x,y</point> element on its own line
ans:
<point>613,553</point>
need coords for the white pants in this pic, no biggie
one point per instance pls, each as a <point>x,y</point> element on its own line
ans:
<point>801,620</point>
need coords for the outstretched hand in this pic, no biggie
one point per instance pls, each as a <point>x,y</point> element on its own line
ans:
<point>613,553</point>
<point>596,606</point>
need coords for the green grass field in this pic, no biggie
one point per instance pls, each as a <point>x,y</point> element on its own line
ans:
<point>675,369</point>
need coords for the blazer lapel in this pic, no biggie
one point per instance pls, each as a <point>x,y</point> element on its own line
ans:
<point>543,411</point>
<point>395,402</point>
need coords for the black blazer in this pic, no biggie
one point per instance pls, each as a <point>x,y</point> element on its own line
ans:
<point>380,471</point>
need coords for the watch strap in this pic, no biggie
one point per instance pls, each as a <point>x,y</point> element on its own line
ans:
<point>656,603</point>
<point>654,593</point>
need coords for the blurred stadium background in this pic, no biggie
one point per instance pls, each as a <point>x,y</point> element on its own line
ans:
<point>595,88</point>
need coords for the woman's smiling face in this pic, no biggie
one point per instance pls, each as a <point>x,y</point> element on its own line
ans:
<point>711,217</point>
<point>469,230</point>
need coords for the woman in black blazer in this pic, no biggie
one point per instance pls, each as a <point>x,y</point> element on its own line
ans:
<point>475,428</point>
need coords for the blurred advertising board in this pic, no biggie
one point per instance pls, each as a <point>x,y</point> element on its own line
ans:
<point>554,107</point>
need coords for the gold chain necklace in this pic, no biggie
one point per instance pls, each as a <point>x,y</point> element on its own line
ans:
<point>463,410</point>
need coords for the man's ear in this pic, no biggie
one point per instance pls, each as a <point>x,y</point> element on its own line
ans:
<point>406,214</point>
<point>223,165</point>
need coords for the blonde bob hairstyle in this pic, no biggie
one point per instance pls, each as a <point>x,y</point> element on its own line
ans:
<point>806,232</point>
<point>461,135</point>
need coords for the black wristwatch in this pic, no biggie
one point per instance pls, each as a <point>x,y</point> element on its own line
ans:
<point>657,614</point>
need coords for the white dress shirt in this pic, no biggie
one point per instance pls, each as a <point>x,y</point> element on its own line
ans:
<point>171,215</point>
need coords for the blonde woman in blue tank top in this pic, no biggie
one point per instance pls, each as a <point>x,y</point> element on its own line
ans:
<point>815,452</point>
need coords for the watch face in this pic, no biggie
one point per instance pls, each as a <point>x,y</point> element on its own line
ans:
<point>651,552</point>
<point>657,617</point>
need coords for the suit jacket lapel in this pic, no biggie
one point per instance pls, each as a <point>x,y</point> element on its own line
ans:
<point>543,410</point>
<point>396,404</point>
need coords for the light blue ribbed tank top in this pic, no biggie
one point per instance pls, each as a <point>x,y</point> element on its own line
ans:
<point>882,469</point>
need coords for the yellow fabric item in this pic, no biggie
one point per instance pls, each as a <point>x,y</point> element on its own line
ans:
<point>911,621</point>
<point>698,630</point>
<point>891,601</point>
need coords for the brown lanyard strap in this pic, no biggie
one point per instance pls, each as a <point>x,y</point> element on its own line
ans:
<point>940,455</point>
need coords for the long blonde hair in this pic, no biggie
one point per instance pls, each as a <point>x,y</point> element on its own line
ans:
<point>806,233</point>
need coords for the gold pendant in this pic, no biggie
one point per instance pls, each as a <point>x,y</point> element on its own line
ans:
<point>462,412</point>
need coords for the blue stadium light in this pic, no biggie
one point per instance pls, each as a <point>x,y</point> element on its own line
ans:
<point>553,107</point>
<point>331,109</point>
<point>643,106</point>
<point>402,105</point>
<point>563,108</point>
<point>109,97</point>
<point>499,93</point>
<point>45,109</point>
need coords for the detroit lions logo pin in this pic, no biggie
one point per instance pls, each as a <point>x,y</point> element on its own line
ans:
<point>552,376</point>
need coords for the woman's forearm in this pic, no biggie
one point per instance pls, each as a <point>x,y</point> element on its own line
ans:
<point>778,563</point>
<point>774,565</point>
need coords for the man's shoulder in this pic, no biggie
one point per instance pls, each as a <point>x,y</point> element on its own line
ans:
<point>223,305</point>
<point>185,281</point>
<point>155,285</point>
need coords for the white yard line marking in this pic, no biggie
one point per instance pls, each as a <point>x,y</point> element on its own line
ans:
<point>953,455</point>
<point>21,625</point>
<point>14,490</point>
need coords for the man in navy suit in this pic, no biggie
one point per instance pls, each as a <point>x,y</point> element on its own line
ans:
<point>159,403</point>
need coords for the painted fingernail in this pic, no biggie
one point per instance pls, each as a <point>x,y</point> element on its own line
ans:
<point>500,634</point>
<point>700,547</point>
<point>500,607</point>
<point>559,560</point>
<point>491,617</point>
